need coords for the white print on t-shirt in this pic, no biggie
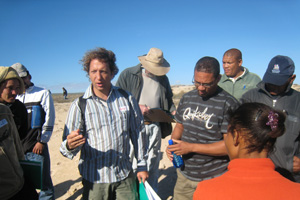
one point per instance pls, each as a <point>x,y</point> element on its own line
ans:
<point>189,114</point>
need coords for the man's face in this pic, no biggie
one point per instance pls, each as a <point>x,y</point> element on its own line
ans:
<point>232,66</point>
<point>9,89</point>
<point>26,81</point>
<point>100,76</point>
<point>276,90</point>
<point>205,83</point>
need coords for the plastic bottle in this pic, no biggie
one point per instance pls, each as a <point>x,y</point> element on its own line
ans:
<point>177,160</point>
<point>36,116</point>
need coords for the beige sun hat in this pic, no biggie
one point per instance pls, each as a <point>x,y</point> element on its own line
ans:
<point>155,63</point>
<point>7,73</point>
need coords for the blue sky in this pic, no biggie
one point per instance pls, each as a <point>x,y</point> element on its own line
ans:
<point>50,36</point>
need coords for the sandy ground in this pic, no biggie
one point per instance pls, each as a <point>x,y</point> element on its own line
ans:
<point>65,174</point>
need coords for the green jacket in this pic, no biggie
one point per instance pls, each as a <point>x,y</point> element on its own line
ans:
<point>11,151</point>
<point>131,80</point>
<point>243,84</point>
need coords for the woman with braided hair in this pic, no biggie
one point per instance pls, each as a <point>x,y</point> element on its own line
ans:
<point>252,132</point>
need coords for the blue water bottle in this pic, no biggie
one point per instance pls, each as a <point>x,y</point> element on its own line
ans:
<point>177,160</point>
<point>36,116</point>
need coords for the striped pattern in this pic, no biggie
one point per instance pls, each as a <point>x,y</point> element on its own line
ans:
<point>204,121</point>
<point>105,156</point>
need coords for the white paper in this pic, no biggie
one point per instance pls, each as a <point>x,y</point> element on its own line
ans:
<point>150,192</point>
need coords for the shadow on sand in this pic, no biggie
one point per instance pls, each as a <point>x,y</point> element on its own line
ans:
<point>62,188</point>
<point>166,185</point>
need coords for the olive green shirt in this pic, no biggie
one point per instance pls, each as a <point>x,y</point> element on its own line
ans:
<point>242,84</point>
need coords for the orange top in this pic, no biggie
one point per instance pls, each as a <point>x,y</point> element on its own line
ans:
<point>252,178</point>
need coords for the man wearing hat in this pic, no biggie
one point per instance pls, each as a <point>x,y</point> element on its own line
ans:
<point>149,84</point>
<point>41,117</point>
<point>12,85</point>
<point>275,91</point>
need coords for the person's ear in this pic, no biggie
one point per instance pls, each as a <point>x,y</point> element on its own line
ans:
<point>292,78</point>
<point>236,137</point>
<point>240,62</point>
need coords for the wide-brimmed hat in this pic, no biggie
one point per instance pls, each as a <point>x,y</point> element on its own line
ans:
<point>21,69</point>
<point>7,73</point>
<point>155,63</point>
<point>279,70</point>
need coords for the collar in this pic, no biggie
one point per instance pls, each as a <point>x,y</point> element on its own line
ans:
<point>262,85</point>
<point>90,94</point>
<point>226,78</point>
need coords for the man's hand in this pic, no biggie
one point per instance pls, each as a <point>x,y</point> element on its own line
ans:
<point>75,139</point>
<point>38,148</point>
<point>180,147</point>
<point>145,109</point>
<point>296,164</point>
<point>169,154</point>
<point>142,176</point>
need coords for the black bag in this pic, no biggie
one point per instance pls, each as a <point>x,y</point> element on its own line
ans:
<point>166,129</point>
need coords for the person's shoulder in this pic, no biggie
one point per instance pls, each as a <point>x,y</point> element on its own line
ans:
<point>223,78</point>
<point>19,103</point>
<point>133,70</point>
<point>189,96</point>
<point>191,93</point>
<point>4,109</point>
<point>293,94</point>
<point>252,75</point>
<point>224,94</point>
<point>39,89</point>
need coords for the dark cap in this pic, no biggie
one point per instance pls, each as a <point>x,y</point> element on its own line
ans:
<point>280,69</point>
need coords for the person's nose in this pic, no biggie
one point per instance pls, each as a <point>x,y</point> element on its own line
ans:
<point>201,87</point>
<point>15,91</point>
<point>99,76</point>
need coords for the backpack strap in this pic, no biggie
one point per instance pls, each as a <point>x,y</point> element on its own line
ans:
<point>82,106</point>
<point>123,92</point>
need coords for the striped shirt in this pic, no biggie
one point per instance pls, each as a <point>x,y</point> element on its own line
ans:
<point>109,129</point>
<point>204,121</point>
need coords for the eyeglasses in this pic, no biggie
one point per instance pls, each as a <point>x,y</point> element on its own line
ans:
<point>206,85</point>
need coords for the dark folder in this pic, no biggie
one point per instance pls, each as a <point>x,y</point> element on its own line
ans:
<point>33,171</point>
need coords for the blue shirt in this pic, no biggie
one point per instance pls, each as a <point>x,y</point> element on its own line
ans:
<point>109,129</point>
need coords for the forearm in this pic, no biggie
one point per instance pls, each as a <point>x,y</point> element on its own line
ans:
<point>177,132</point>
<point>213,149</point>
<point>48,126</point>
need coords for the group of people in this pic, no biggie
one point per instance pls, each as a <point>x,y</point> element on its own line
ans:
<point>33,114</point>
<point>238,135</point>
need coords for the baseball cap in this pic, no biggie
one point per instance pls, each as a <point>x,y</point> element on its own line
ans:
<point>279,70</point>
<point>21,69</point>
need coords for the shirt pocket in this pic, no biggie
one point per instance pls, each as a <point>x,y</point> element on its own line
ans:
<point>124,119</point>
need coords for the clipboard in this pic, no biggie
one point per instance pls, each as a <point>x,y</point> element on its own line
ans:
<point>159,115</point>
